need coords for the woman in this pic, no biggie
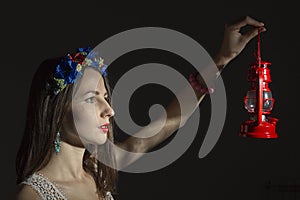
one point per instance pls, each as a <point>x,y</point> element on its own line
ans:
<point>70,118</point>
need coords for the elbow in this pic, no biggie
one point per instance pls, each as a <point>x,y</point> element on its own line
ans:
<point>132,144</point>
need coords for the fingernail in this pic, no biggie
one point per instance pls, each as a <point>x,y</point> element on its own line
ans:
<point>261,23</point>
<point>262,29</point>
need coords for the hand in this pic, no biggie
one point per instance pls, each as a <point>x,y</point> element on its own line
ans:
<point>234,41</point>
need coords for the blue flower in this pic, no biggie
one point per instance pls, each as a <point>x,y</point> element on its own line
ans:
<point>70,67</point>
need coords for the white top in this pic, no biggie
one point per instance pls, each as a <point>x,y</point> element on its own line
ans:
<point>49,190</point>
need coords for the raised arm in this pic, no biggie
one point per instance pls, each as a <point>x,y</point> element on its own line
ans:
<point>233,43</point>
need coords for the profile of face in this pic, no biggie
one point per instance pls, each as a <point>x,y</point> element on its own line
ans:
<point>88,115</point>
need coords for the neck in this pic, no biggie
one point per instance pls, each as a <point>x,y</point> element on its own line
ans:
<point>67,164</point>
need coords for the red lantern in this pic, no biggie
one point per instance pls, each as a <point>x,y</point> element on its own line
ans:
<point>259,102</point>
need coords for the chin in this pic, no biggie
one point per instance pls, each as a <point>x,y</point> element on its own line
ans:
<point>100,142</point>
<point>97,140</point>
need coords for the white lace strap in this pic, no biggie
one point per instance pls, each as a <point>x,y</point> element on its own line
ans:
<point>45,188</point>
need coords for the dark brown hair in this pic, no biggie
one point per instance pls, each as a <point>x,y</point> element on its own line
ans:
<point>45,112</point>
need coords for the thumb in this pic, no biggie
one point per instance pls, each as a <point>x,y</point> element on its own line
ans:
<point>252,33</point>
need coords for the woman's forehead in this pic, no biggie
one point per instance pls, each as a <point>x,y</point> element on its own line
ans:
<point>91,80</point>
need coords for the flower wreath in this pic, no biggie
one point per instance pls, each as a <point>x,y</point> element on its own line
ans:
<point>69,69</point>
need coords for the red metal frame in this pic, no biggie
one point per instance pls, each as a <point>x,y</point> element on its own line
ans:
<point>261,125</point>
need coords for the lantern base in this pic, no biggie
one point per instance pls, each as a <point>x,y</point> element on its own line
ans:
<point>264,129</point>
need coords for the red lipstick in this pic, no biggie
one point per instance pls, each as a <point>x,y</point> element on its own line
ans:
<point>104,127</point>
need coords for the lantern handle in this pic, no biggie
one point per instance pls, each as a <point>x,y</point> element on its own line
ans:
<point>258,56</point>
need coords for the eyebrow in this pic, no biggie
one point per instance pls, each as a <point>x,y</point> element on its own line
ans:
<point>95,92</point>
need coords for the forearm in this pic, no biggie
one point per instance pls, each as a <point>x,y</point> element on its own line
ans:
<point>177,114</point>
<point>158,131</point>
<point>164,126</point>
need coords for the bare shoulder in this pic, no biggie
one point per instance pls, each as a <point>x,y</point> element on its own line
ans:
<point>26,192</point>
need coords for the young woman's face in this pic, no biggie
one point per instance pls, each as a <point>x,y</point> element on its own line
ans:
<point>89,112</point>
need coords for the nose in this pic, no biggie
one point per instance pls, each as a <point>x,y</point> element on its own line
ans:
<point>108,111</point>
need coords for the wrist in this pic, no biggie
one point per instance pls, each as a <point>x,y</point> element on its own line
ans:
<point>199,85</point>
<point>221,61</point>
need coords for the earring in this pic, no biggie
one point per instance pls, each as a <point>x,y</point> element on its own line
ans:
<point>57,143</point>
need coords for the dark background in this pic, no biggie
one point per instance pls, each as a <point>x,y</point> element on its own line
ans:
<point>237,168</point>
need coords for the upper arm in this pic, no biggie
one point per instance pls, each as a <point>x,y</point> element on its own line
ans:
<point>26,192</point>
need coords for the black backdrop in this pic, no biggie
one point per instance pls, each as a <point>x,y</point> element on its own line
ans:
<point>236,168</point>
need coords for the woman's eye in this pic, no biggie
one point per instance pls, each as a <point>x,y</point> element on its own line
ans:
<point>90,100</point>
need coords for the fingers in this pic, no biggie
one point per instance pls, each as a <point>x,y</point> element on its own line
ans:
<point>246,21</point>
<point>252,33</point>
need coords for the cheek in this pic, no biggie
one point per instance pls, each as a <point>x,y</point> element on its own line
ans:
<point>85,117</point>
<point>86,124</point>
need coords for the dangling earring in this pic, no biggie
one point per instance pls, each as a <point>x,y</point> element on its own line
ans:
<point>57,143</point>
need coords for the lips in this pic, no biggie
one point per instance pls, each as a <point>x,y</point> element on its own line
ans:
<point>104,127</point>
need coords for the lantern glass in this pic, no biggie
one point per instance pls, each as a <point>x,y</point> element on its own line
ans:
<point>250,101</point>
<point>268,101</point>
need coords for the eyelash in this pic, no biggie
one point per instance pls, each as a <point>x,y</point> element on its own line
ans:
<point>93,98</point>
<point>88,100</point>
